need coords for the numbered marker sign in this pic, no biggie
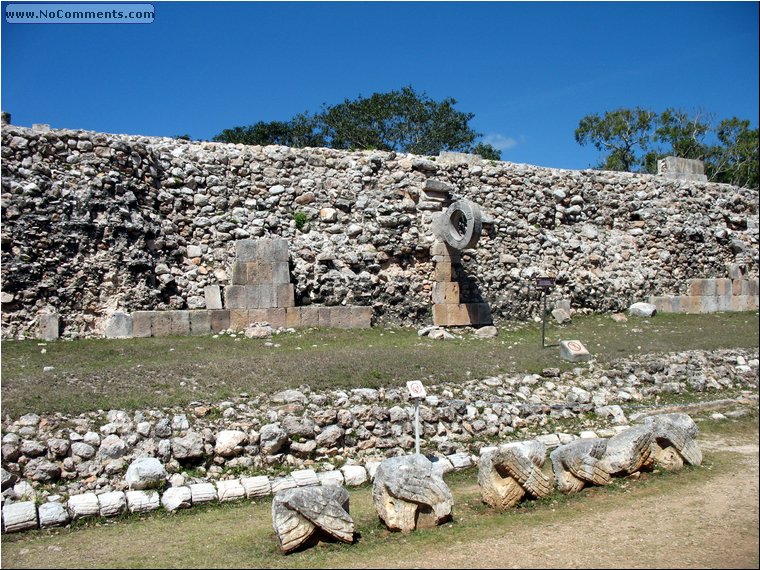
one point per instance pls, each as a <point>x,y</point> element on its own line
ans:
<point>416,389</point>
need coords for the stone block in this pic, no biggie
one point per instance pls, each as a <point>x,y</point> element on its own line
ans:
<point>235,297</point>
<point>702,287</point>
<point>142,324</point>
<point>161,323</point>
<point>662,304</point>
<point>253,296</point>
<point>739,286</point>
<point>446,292</point>
<point>230,490</point>
<point>180,322</point>
<point>277,318</point>
<point>239,273</point>
<point>280,250</point>
<point>239,319</point>
<point>119,325</point>
<point>280,272</point>
<point>143,501</point>
<point>286,295</point>
<point>724,301</point>
<point>708,304</point>
<point>681,168</point>
<point>267,296</point>
<point>200,322</point>
<point>202,493</point>
<point>443,272</point>
<point>739,303</point>
<point>340,317</point>
<point>573,351</point>
<point>258,316</point>
<point>722,286</point>
<point>752,302</point>
<point>258,486</point>
<point>220,320</point>
<point>263,273</point>
<point>753,287</point>
<point>49,326</point>
<point>19,516</point>
<point>246,250</point>
<point>249,269</point>
<point>736,270</point>
<point>361,317</point>
<point>325,316</point>
<point>310,316</point>
<point>263,250</point>
<point>293,317</point>
<point>443,252</point>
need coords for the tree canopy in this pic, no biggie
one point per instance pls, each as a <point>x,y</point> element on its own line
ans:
<point>634,139</point>
<point>403,121</point>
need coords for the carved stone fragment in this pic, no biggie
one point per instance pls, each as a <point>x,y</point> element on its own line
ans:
<point>629,451</point>
<point>304,515</point>
<point>409,493</point>
<point>578,463</point>
<point>674,440</point>
<point>507,474</point>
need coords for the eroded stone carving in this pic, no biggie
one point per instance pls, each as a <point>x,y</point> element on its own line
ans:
<point>674,440</point>
<point>578,463</point>
<point>506,475</point>
<point>303,515</point>
<point>629,451</point>
<point>408,493</point>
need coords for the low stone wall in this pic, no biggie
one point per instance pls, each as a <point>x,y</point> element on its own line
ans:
<point>57,455</point>
<point>711,296</point>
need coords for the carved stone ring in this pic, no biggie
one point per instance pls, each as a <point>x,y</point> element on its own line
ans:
<point>461,224</point>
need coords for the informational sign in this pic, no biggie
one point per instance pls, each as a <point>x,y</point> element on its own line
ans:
<point>545,282</point>
<point>416,389</point>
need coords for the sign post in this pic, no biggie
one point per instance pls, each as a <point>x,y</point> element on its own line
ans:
<point>545,284</point>
<point>417,392</point>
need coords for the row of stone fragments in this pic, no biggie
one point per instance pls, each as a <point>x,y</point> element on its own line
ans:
<point>408,491</point>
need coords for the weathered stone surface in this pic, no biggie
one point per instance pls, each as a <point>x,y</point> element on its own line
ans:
<point>674,440</point>
<point>229,443</point>
<point>142,501</point>
<point>145,473</point>
<point>42,470</point>
<point>188,447</point>
<point>354,475</point>
<point>302,516</point>
<point>119,325</point>
<point>256,486</point>
<point>642,310</point>
<point>272,438</point>
<point>561,316</point>
<point>83,506</point>
<point>176,498</point>
<point>408,493</point>
<point>112,504</point>
<point>203,493</point>
<point>334,477</point>
<point>19,516</point>
<point>113,447</point>
<point>305,477</point>
<point>508,473</point>
<point>230,490</point>
<point>573,351</point>
<point>49,326</point>
<point>53,514</point>
<point>577,463</point>
<point>629,451</point>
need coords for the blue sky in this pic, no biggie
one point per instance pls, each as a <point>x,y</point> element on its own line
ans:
<point>529,71</point>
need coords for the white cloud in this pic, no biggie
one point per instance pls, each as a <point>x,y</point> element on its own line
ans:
<point>499,141</point>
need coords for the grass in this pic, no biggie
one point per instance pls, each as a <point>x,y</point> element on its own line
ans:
<point>97,374</point>
<point>240,535</point>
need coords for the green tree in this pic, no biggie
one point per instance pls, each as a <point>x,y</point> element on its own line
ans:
<point>300,131</point>
<point>486,151</point>
<point>683,134</point>
<point>624,134</point>
<point>735,159</point>
<point>401,120</point>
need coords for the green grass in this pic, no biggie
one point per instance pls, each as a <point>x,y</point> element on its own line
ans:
<point>151,372</point>
<point>240,535</point>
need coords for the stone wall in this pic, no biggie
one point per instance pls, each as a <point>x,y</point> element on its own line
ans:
<point>95,223</point>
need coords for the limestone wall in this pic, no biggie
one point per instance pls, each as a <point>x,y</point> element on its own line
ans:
<point>95,223</point>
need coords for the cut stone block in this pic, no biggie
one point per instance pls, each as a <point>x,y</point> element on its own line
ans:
<point>112,504</point>
<point>310,316</point>
<point>161,323</point>
<point>573,351</point>
<point>220,320</point>
<point>246,250</point>
<point>283,484</point>
<point>277,318</point>
<point>443,272</point>
<point>239,273</point>
<point>466,314</point>
<point>753,287</point>
<point>49,326</point>
<point>263,273</point>
<point>690,304</point>
<point>142,324</point>
<point>20,516</point>
<point>203,493</point>
<point>723,286</point>
<point>361,317</point>
<point>740,286</point>
<point>256,486</point>
<point>325,316</point>
<point>230,490</point>
<point>280,272</point>
<point>53,514</point>
<point>177,498</point>
<point>340,317</point>
<point>460,460</point>
<point>736,270</point>
<point>239,319</point>
<point>280,250</point>
<point>83,506</point>
<point>252,273</point>
<point>708,304</point>
<point>119,325</point>
<point>235,297</point>
<point>305,477</point>
<point>739,303</point>
<point>702,287</point>
<point>180,322</point>
<point>213,297</point>
<point>263,250</point>
<point>200,322</point>
<point>267,296</point>
<point>441,251</point>
<point>142,501</point>
<point>445,292</point>
<point>293,317</point>
<point>258,316</point>
<point>286,295</point>
<point>334,477</point>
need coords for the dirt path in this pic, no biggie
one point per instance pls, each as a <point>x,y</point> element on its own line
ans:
<point>713,524</point>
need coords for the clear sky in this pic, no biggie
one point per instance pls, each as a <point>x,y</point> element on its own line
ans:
<point>528,70</point>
